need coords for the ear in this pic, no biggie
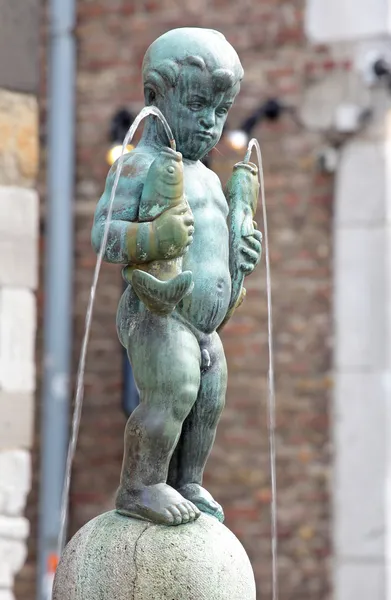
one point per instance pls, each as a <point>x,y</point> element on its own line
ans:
<point>150,95</point>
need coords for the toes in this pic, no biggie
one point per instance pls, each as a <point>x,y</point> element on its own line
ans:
<point>177,514</point>
<point>220,516</point>
<point>186,517</point>
<point>168,517</point>
<point>194,512</point>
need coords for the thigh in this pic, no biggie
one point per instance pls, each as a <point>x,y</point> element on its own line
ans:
<point>165,358</point>
<point>213,386</point>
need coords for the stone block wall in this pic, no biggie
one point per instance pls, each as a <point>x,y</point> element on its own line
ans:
<point>112,36</point>
<point>19,210</point>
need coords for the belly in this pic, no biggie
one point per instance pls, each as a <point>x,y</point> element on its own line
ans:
<point>208,259</point>
<point>207,305</point>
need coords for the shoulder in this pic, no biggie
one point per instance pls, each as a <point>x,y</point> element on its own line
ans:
<point>135,165</point>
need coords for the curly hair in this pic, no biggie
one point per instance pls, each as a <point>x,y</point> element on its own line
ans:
<point>162,72</point>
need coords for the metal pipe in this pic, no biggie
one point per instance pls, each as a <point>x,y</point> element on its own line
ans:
<point>58,284</point>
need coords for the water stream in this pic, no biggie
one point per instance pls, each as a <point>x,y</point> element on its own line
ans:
<point>271,404</point>
<point>146,111</point>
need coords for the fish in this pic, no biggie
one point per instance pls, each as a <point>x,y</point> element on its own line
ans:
<point>161,284</point>
<point>241,192</point>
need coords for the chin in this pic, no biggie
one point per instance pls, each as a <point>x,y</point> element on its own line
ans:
<point>196,153</point>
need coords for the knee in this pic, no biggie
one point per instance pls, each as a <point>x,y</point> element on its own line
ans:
<point>185,399</point>
<point>165,416</point>
<point>155,423</point>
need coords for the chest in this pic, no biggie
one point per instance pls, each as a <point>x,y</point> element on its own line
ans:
<point>204,195</point>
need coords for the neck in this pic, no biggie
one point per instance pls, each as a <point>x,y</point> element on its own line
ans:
<point>154,134</point>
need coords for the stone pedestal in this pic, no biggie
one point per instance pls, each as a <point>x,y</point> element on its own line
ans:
<point>117,558</point>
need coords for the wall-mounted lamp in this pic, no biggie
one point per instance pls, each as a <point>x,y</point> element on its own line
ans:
<point>119,126</point>
<point>382,70</point>
<point>269,111</point>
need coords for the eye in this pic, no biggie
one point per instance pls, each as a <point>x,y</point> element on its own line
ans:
<point>195,106</point>
<point>223,110</point>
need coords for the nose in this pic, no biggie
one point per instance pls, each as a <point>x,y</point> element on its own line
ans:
<point>207,119</point>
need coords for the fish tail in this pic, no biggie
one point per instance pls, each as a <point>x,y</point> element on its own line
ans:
<point>161,297</point>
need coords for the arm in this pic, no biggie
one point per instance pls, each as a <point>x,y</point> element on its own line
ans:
<point>124,231</point>
<point>131,242</point>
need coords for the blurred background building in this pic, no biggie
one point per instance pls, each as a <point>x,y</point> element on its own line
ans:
<point>327,171</point>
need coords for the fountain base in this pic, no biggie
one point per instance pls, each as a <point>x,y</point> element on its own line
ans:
<point>119,558</point>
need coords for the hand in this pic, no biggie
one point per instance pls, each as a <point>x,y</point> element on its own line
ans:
<point>172,232</point>
<point>250,249</point>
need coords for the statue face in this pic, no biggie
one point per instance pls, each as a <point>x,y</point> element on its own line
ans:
<point>196,111</point>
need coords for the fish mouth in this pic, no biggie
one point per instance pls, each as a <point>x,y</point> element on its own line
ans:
<point>171,154</point>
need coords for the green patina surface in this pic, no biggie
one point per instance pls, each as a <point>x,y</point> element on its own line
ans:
<point>186,248</point>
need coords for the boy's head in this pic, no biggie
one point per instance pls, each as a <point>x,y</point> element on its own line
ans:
<point>193,76</point>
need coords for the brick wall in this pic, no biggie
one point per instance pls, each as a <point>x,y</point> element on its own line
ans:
<point>268,35</point>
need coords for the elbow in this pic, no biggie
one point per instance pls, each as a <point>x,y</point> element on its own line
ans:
<point>112,250</point>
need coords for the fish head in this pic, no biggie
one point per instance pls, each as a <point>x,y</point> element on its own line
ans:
<point>168,173</point>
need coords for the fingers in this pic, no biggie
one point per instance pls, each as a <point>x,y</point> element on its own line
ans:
<point>181,209</point>
<point>258,235</point>
<point>187,231</point>
<point>246,269</point>
<point>188,219</point>
<point>190,232</point>
<point>254,243</point>
<point>250,255</point>
<point>185,213</point>
<point>251,250</point>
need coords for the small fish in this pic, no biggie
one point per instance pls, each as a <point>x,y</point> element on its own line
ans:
<point>242,196</point>
<point>160,285</point>
<point>163,187</point>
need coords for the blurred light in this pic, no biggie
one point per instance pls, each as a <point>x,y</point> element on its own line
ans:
<point>119,127</point>
<point>115,151</point>
<point>52,563</point>
<point>269,111</point>
<point>237,139</point>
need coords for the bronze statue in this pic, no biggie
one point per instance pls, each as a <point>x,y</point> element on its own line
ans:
<point>186,248</point>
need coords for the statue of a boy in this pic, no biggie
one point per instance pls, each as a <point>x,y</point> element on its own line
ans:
<point>193,76</point>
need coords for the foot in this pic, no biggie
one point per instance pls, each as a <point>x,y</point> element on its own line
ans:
<point>158,503</point>
<point>202,499</point>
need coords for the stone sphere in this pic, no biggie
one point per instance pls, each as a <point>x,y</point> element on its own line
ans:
<point>118,558</point>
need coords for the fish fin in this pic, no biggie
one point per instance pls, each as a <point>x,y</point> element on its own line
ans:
<point>161,297</point>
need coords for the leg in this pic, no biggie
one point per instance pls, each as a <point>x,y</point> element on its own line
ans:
<point>165,357</point>
<point>199,430</point>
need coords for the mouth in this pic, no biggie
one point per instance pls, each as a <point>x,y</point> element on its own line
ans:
<point>205,135</point>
